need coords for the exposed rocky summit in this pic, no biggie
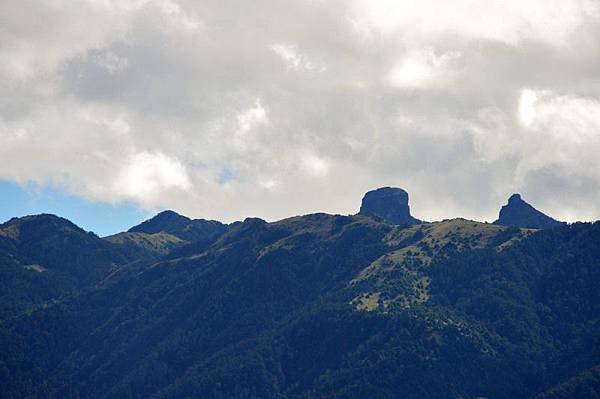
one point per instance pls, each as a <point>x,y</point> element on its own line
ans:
<point>519,213</point>
<point>390,203</point>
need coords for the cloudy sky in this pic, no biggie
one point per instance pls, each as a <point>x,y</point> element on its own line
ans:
<point>226,109</point>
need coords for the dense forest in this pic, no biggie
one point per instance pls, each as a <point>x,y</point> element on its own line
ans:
<point>315,306</point>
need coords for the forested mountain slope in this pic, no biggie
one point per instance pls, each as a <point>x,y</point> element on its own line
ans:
<point>164,233</point>
<point>43,257</point>
<point>325,306</point>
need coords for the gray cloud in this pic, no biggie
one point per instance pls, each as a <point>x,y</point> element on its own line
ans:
<point>269,108</point>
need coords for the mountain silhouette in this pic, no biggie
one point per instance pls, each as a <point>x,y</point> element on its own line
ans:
<point>519,213</point>
<point>319,305</point>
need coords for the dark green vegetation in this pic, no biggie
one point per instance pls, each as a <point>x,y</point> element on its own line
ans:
<point>165,233</point>
<point>180,226</point>
<point>45,257</point>
<point>317,306</point>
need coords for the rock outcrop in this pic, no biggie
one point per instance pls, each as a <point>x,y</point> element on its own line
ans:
<point>519,213</point>
<point>389,203</point>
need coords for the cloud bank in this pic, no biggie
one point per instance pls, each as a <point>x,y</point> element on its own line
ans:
<point>268,108</point>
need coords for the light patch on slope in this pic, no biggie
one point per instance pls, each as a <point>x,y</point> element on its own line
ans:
<point>399,277</point>
<point>35,267</point>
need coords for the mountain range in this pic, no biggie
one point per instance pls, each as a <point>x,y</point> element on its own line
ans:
<point>374,305</point>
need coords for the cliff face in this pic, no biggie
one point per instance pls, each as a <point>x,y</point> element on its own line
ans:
<point>519,213</point>
<point>389,203</point>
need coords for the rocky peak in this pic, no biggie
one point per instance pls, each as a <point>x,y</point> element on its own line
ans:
<point>515,199</point>
<point>519,213</point>
<point>390,203</point>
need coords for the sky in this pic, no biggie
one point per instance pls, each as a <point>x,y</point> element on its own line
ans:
<point>100,217</point>
<point>113,110</point>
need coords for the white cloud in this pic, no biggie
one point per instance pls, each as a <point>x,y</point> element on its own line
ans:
<point>293,59</point>
<point>111,62</point>
<point>568,118</point>
<point>527,112</point>
<point>226,109</point>
<point>249,120</point>
<point>252,117</point>
<point>592,8</point>
<point>268,184</point>
<point>178,17</point>
<point>420,69</point>
<point>559,133</point>
<point>507,21</point>
<point>146,175</point>
<point>38,37</point>
<point>314,165</point>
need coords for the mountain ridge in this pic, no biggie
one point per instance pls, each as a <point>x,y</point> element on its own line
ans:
<point>180,226</point>
<point>317,305</point>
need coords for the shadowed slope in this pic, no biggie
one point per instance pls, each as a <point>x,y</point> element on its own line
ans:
<point>520,214</point>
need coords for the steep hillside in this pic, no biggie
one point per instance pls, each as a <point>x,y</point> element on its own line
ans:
<point>144,246</point>
<point>43,257</point>
<point>325,306</point>
<point>582,386</point>
<point>180,226</point>
<point>165,234</point>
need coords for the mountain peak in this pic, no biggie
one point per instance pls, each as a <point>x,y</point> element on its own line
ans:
<point>390,203</point>
<point>163,221</point>
<point>49,242</point>
<point>44,224</point>
<point>180,226</point>
<point>515,198</point>
<point>170,213</point>
<point>519,213</point>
